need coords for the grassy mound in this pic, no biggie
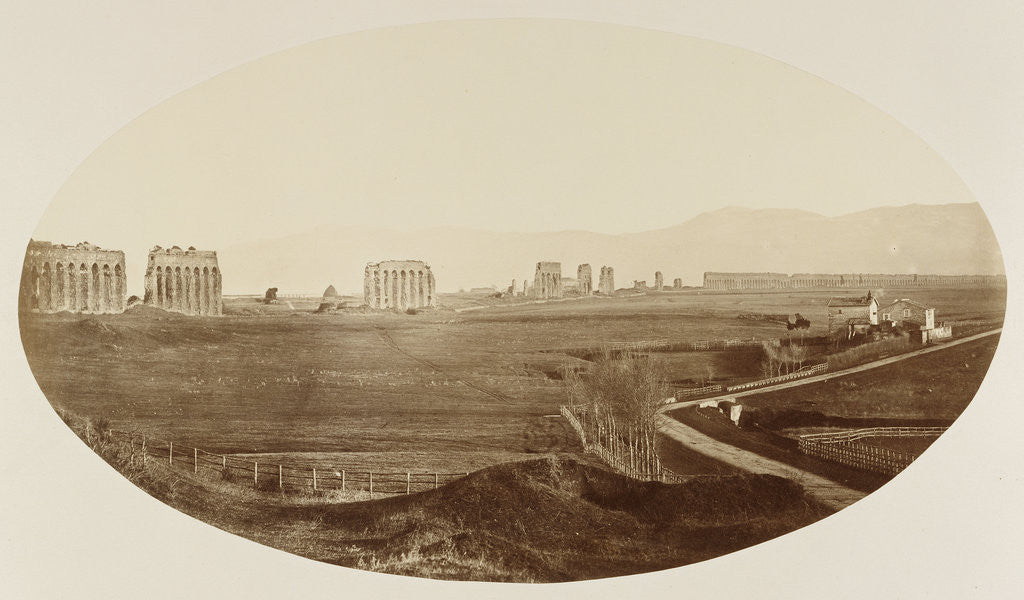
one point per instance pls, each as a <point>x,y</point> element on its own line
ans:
<point>546,519</point>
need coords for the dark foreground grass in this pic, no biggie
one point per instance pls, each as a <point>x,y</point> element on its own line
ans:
<point>542,520</point>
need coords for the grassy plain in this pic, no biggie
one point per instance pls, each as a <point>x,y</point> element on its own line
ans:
<point>399,391</point>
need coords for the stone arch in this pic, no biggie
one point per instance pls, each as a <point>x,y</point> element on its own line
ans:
<point>169,291</point>
<point>186,298</point>
<point>178,300</point>
<point>108,289</point>
<point>160,286</point>
<point>204,292</point>
<point>72,287</point>
<point>60,297</point>
<point>197,297</point>
<point>45,280</point>
<point>396,295</point>
<point>119,288</point>
<point>215,302</point>
<point>83,288</point>
<point>33,288</point>
<point>402,290</point>
<point>94,287</point>
<point>421,295</point>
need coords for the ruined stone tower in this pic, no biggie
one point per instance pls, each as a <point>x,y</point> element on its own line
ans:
<point>547,280</point>
<point>606,284</point>
<point>399,285</point>
<point>83,278</point>
<point>659,281</point>
<point>585,280</point>
<point>677,283</point>
<point>185,281</point>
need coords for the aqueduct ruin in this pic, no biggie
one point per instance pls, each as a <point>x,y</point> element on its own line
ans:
<point>585,279</point>
<point>547,280</point>
<point>83,278</point>
<point>770,281</point>
<point>399,285</point>
<point>606,285</point>
<point>185,281</point>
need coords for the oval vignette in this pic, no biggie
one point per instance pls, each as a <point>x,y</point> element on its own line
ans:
<point>513,300</point>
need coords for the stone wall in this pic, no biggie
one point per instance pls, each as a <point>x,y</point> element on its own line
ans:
<point>547,280</point>
<point>184,281</point>
<point>769,281</point>
<point>81,279</point>
<point>585,279</point>
<point>399,285</point>
<point>606,283</point>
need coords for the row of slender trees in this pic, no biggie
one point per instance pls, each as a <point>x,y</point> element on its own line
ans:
<point>616,401</point>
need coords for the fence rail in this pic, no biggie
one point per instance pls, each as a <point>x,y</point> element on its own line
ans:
<point>832,437</point>
<point>692,392</point>
<point>804,372</point>
<point>273,474</point>
<point>841,447</point>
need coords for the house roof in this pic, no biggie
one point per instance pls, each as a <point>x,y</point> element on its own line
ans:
<point>850,301</point>
<point>906,301</point>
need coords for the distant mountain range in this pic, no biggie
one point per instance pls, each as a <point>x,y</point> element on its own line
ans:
<point>941,239</point>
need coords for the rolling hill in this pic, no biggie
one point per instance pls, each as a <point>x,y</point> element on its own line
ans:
<point>945,239</point>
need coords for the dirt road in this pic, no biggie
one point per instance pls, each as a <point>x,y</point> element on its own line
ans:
<point>825,490</point>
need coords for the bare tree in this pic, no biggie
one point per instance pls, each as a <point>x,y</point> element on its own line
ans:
<point>620,396</point>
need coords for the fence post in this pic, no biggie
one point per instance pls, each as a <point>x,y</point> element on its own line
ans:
<point>223,461</point>
<point>408,483</point>
<point>143,450</point>
<point>170,453</point>
<point>371,484</point>
<point>314,479</point>
<point>255,474</point>
<point>343,480</point>
<point>195,460</point>
<point>435,481</point>
<point>131,455</point>
<point>280,477</point>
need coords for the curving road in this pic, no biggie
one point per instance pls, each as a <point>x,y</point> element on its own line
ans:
<point>825,490</point>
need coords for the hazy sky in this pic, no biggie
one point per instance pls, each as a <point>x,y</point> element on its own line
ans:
<point>510,125</point>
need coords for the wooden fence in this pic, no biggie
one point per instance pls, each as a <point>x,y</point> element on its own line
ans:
<point>804,372</point>
<point>694,392</point>
<point>278,475</point>
<point>841,447</point>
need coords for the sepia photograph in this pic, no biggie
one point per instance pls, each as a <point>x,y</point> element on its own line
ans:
<point>434,298</point>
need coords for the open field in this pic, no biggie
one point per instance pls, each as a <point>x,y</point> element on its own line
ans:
<point>399,391</point>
